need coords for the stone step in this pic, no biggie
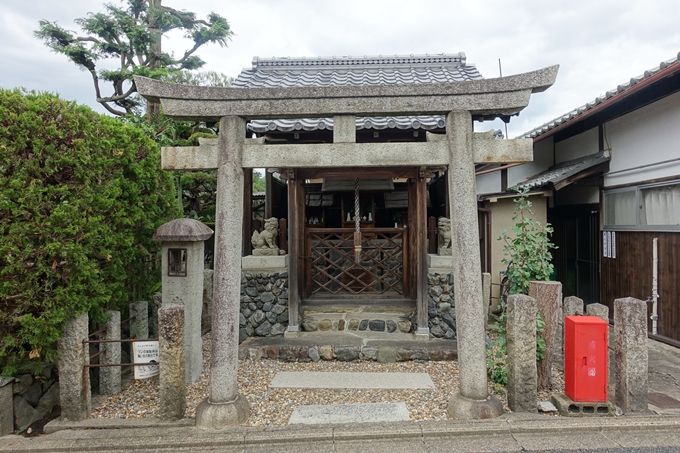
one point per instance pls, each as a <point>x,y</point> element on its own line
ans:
<point>349,413</point>
<point>357,319</point>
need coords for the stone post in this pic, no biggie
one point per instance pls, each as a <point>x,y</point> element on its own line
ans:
<point>571,306</point>
<point>548,296</point>
<point>631,354</point>
<point>7,405</point>
<point>182,279</point>
<point>74,379</point>
<point>139,320</point>
<point>109,377</point>
<point>225,406</point>
<point>206,314</point>
<point>473,400</point>
<point>172,379</point>
<point>521,341</point>
<point>599,310</point>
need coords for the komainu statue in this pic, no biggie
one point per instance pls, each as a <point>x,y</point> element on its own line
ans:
<point>444,227</point>
<point>264,242</point>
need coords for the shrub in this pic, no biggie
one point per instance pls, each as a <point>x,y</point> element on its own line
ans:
<point>80,197</point>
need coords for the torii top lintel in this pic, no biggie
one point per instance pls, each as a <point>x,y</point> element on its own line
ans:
<point>485,97</point>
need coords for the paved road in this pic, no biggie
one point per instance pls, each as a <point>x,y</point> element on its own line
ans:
<point>508,433</point>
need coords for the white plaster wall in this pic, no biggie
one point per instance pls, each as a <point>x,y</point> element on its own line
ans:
<point>501,218</point>
<point>543,158</point>
<point>580,145</point>
<point>647,135</point>
<point>489,183</point>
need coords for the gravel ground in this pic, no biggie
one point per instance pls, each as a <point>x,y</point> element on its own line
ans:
<point>273,407</point>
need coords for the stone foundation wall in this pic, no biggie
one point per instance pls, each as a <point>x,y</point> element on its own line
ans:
<point>29,398</point>
<point>440,306</point>
<point>264,304</point>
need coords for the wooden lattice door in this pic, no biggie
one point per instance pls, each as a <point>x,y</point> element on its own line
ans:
<point>332,270</point>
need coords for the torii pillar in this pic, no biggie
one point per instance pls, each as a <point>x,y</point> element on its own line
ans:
<point>473,400</point>
<point>225,406</point>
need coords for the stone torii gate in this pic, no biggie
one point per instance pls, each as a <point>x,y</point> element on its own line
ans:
<point>458,150</point>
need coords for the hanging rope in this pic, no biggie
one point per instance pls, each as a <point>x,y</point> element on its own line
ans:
<point>357,223</point>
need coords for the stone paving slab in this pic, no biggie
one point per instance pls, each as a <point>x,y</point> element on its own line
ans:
<point>349,413</point>
<point>348,380</point>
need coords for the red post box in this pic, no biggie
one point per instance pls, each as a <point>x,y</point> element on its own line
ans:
<point>586,358</point>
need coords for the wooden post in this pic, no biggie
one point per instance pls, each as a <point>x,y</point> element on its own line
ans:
<point>283,234</point>
<point>419,222</point>
<point>432,234</point>
<point>294,208</point>
<point>247,210</point>
<point>268,194</point>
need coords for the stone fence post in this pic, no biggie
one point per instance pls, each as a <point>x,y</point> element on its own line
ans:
<point>74,379</point>
<point>599,310</point>
<point>109,377</point>
<point>631,354</point>
<point>139,320</point>
<point>521,341</point>
<point>548,296</point>
<point>172,380</point>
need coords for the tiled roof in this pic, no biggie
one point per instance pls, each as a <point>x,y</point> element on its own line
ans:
<point>367,70</point>
<point>564,170</point>
<point>620,89</point>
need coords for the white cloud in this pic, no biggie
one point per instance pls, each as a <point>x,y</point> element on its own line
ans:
<point>598,44</point>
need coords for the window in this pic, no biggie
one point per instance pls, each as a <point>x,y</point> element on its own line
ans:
<point>177,262</point>
<point>645,207</point>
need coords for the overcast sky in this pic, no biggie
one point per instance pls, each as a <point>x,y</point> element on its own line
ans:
<point>597,43</point>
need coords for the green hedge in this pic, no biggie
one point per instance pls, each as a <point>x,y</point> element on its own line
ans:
<point>81,194</point>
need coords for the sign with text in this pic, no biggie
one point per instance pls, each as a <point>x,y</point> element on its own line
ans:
<point>145,352</point>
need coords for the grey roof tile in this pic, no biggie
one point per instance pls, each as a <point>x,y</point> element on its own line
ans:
<point>563,170</point>
<point>367,70</point>
<point>540,130</point>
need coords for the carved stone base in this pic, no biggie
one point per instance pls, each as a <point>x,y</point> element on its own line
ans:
<point>266,252</point>
<point>462,408</point>
<point>220,415</point>
<point>444,251</point>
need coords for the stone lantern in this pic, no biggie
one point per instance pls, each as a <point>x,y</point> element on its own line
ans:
<point>182,279</point>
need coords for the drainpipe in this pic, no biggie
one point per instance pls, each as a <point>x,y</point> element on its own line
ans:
<point>655,284</point>
<point>488,237</point>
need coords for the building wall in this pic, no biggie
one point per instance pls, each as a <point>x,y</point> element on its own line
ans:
<point>543,158</point>
<point>583,144</point>
<point>647,135</point>
<point>501,218</point>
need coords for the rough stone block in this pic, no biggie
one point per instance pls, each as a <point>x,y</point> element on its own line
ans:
<point>599,310</point>
<point>294,353</point>
<point>326,352</point>
<point>172,379</point>
<point>521,344</point>
<point>346,353</point>
<point>387,354</point>
<point>74,380</point>
<point>109,377</point>
<point>548,296</point>
<point>631,354</point>
<point>24,414</point>
<point>376,325</point>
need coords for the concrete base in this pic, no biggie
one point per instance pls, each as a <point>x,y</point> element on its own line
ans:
<point>221,415</point>
<point>291,333</point>
<point>570,408</point>
<point>462,408</point>
<point>422,334</point>
<point>274,263</point>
